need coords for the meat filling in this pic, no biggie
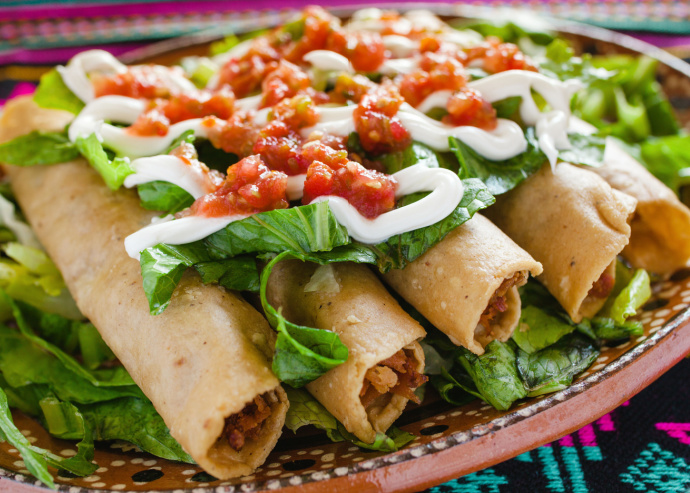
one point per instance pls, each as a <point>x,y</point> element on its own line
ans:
<point>396,374</point>
<point>602,287</point>
<point>497,303</point>
<point>246,425</point>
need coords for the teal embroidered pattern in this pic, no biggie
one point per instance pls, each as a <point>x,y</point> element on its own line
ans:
<point>658,470</point>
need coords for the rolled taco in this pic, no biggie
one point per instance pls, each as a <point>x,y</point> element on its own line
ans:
<point>660,238</point>
<point>575,224</point>
<point>370,391</point>
<point>204,363</point>
<point>467,284</point>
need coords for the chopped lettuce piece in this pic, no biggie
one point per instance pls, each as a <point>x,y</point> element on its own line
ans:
<point>114,171</point>
<point>399,250</point>
<point>495,374</point>
<point>561,63</point>
<point>238,273</point>
<point>499,176</point>
<point>38,148</point>
<point>538,330</point>
<point>305,410</point>
<point>587,150</point>
<point>302,354</point>
<point>628,295</point>
<point>54,94</point>
<point>164,196</point>
<point>553,368</point>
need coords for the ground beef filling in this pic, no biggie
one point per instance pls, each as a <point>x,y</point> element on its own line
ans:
<point>396,374</point>
<point>246,425</point>
<point>498,303</point>
<point>602,287</point>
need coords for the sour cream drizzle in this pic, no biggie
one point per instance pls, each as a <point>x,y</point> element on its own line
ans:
<point>506,141</point>
<point>446,192</point>
<point>76,74</point>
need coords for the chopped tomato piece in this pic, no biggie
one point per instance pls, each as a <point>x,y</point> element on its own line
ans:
<point>317,25</point>
<point>283,82</point>
<point>468,107</point>
<point>350,87</point>
<point>280,148</point>
<point>235,135</point>
<point>244,75</point>
<point>379,129</point>
<point>499,57</point>
<point>370,192</point>
<point>143,81</point>
<point>436,73</point>
<point>250,187</point>
<point>162,113</point>
<point>297,112</point>
<point>365,50</point>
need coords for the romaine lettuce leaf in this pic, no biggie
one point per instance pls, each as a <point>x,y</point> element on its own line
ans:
<point>305,410</point>
<point>164,196</point>
<point>302,354</point>
<point>499,176</point>
<point>399,250</point>
<point>537,329</point>
<point>629,294</point>
<point>38,148</point>
<point>303,229</point>
<point>587,150</point>
<point>238,273</point>
<point>456,388</point>
<point>495,374</point>
<point>54,94</point>
<point>561,63</point>
<point>114,171</point>
<point>553,368</point>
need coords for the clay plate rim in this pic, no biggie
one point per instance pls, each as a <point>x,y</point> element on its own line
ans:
<point>542,421</point>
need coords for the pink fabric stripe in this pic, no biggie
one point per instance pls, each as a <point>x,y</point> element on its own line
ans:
<point>587,436</point>
<point>679,431</point>
<point>566,441</point>
<point>606,423</point>
<point>59,55</point>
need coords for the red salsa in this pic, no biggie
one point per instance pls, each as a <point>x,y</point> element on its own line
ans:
<point>379,129</point>
<point>249,187</point>
<point>331,173</point>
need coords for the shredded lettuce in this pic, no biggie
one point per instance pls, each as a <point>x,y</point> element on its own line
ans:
<point>114,171</point>
<point>38,148</point>
<point>305,410</point>
<point>499,176</point>
<point>164,196</point>
<point>52,93</point>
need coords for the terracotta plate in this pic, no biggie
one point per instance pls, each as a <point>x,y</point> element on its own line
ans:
<point>450,441</point>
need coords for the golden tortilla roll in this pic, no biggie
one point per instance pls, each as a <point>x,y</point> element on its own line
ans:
<point>660,238</point>
<point>356,306</point>
<point>575,224</point>
<point>202,361</point>
<point>455,284</point>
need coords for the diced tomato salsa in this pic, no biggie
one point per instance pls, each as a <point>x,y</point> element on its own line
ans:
<point>379,130</point>
<point>142,81</point>
<point>250,187</point>
<point>330,173</point>
<point>162,113</point>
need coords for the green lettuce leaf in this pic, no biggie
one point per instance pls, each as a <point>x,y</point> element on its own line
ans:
<point>38,148</point>
<point>238,273</point>
<point>164,196</point>
<point>554,367</point>
<point>52,93</point>
<point>495,374</point>
<point>508,107</point>
<point>415,153</point>
<point>305,410</point>
<point>399,250</point>
<point>537,329</point>
<point>587,150</point>
<point>607,329</point>
<point>457,387</point>
<point>114,377</point>
<point>113,171</point>
<point>499,176</point>
<point>32,456</point>
<point>629,294</point>
<point>561,63</point>
<point>302,354</point>
<point>162,267</point>
<point>303,229</point>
